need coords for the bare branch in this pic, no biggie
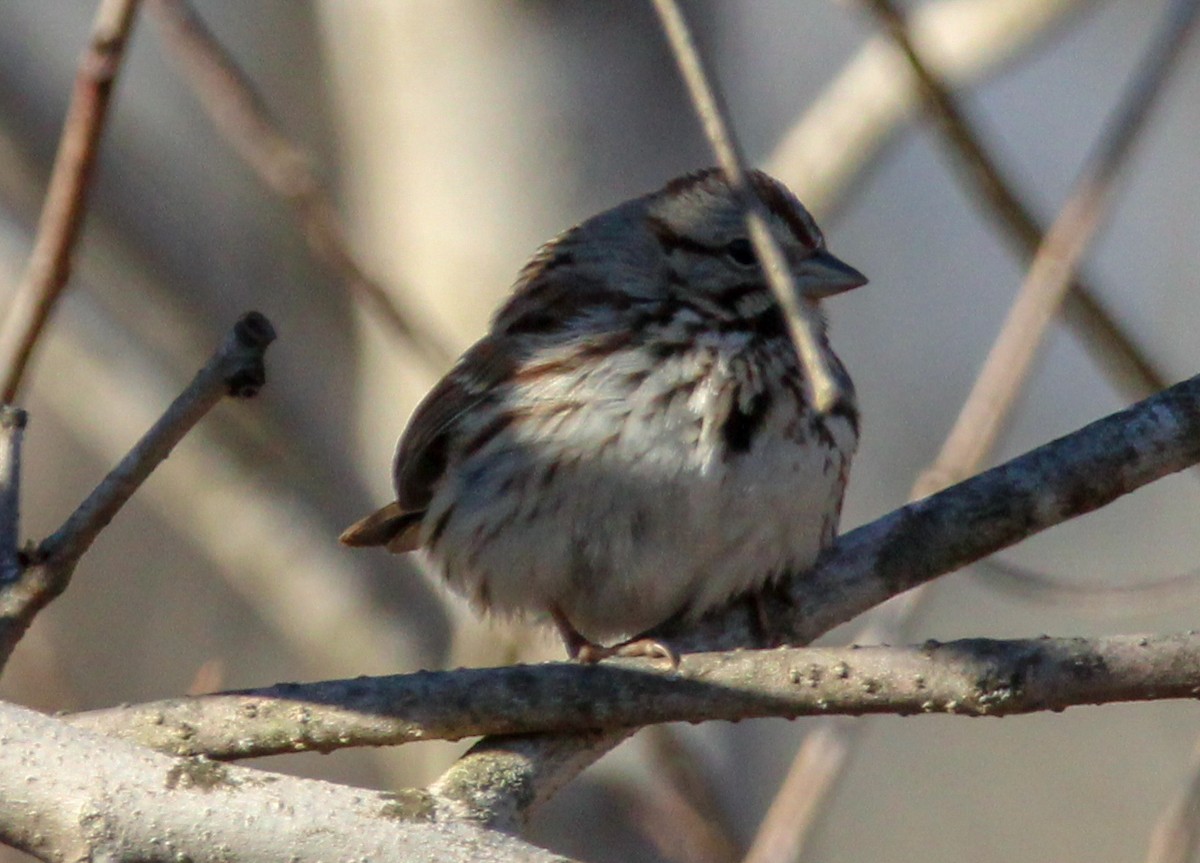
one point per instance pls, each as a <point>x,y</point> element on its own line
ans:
<point>973,437</point>
<point>972,677</point>
<point>803,325</point>
<point>1050,276</point>
<point>241,115</point>
<point>842,133</point>
<point>68,794</point>
<point>1100,333</point>
<point>679,811</point>
<point>1159,594</point>
<point>236,369</point>
<point>839,135</point>
<point>502,778</point>
<point>66,200</point>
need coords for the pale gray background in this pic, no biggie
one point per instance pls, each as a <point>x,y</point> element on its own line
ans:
<point>458,136</point>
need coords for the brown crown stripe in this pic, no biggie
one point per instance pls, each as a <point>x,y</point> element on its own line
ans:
<point>777,199</point>
<point>781,203</point>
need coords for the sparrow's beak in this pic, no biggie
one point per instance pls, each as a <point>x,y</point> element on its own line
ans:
<point>822,275</point>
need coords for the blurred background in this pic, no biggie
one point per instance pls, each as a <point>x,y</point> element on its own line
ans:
<point>455,137</point>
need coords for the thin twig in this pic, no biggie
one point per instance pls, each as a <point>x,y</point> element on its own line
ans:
<point>826,151</point>
<point>838,136</point>
<point>971,677</point>
<point>1159,594</point>
<point>12,431</point>
<point>1100,333</point>
<point>968,444</point>
<point>240,114</point>
<point>237,370</point>
<point>343,628</point>
<point>66,199</point>
<point>802,322</point>
<point>1053,269</point>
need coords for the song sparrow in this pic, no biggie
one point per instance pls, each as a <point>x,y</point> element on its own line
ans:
<point>631,440</point>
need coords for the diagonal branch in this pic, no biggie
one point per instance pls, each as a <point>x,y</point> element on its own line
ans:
<point>237,370</point>
<point>240,114</point>
<point>1101,334</point>
<point>803,324</point>
<point>1053,269</point>
<point>837,139</point>
<point>66,200</point>
<point>1050,282</point>
<point>501,779</point>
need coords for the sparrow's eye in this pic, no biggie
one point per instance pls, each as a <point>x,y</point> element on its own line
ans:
<point>741,251</point>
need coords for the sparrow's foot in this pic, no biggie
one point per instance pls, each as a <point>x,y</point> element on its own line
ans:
<point>588,652</point>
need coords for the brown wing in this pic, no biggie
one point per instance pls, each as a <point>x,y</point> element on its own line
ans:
<point>424,450</point>
<point>426,446</point>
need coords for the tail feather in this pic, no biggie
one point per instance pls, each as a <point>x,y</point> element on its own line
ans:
<point>396,528</point>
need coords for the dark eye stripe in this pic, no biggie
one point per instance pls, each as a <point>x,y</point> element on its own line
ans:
<point>672,241</point>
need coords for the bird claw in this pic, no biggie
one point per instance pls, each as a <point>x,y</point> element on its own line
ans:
<point>587,652</point>
<point>644,648</point>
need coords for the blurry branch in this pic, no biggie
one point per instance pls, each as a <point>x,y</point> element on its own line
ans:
<point>67,794</point>
<point>971,677</point>
<point>814,771</point>
<point>237,370</point>
<point>981,419</point>
<point>677,809</point>
<point>803,324</point>
<point>1102,336</point>
<point>241,115</point>
<point>271,547</point>
<point>1160,594</point>
<point>1176,835</point>
<point>501,778</point>
<point>58,228</point>
<point>841,134</point>
<point>1053,269</point>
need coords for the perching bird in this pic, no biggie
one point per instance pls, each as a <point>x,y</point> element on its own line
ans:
<point>632,440</point>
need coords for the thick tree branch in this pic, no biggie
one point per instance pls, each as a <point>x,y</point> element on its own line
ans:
<point>66,200</point>
<point>502,778</point>
<point>237,370</point>
<point>973,677</point>
<point>68,794</point>
<point>1049,285</point>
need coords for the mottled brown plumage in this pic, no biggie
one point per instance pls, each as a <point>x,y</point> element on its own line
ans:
<point>631,439</point>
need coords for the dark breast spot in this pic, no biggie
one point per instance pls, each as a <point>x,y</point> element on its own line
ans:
<point>743,424</point>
